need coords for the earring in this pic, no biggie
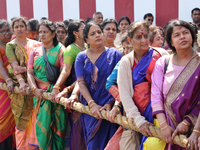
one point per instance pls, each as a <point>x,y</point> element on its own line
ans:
<point>77,36</point>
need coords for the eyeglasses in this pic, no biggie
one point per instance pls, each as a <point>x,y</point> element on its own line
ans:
<point>80,29</point>
<point>5,31</point>
<point>150,20</point>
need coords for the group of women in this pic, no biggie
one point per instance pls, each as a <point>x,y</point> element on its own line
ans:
<point>146,84</point>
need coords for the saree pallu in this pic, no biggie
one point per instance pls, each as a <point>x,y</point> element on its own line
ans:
<point>97,132</point>
<point>141,73</point>
<point>51,117</point>
<point>22,105</point>
<point>185,95</point>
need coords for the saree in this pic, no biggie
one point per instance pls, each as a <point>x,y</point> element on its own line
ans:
<point>97,132</point>
<point>51,117</point>
<point>7,122</point>
<point>141,74</point>
<point>181,100</point>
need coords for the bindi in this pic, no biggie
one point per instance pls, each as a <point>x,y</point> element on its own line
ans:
<point>142,31</point>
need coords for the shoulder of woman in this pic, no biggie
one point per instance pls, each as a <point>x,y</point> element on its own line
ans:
<point>161,51</point>
<point>127,59</point>
<point>114,50</point>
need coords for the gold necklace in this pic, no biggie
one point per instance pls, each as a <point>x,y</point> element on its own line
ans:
<point>21,44</point>
<point>78,46</point>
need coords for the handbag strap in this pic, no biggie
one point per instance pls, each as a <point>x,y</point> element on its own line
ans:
<point>166,63</point>
<point>44,54</point>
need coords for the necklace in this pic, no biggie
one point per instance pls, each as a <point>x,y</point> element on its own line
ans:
<point>21,44</point>
<point>78,46</point>
<point>2,44</point>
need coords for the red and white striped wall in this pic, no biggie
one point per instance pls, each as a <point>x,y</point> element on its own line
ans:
<point>58,10</point>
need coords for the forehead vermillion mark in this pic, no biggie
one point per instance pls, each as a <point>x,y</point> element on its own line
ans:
<point>141,31</point>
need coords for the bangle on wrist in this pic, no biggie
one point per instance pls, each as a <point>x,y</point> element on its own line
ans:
<point>92,104</point>
<point>197,131</point>
<point>164,127</point>
<point>74,94</point>
<point>20,80</point>
<point>8,79</point>
<point>118,106</point>
<point>162,122</point>
<point>33,89</point>
<point>185,123</point>
<point>56,87</point>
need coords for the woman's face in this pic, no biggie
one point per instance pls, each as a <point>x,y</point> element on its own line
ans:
<point>140,40</point>
<point>157,40</point>
<point>110,32</point>
<point>95,36</point>
<point>60,33</point>
<point>45,34</point>
<point>181,38</point>
<point>19,29</point>
<point>123,26</point>
<point>5,34</point>
<point>127,48</point>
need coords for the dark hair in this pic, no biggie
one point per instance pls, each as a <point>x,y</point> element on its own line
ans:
<point>61,24</point>
<point>147,15</point>
<point>194,26</point>
<point>195,9</point>
<point>124,18</point>
<point>170,28</point>
<point>135,25</point>
<point>96,13</point>
<point>124,38</point>
<point>67,21</point>
<point>87,28</point>
<point>4,23</point>
<point>109,20</point>
<point>73,26</point>
<point>51,26</point>
<point>18,19</point>
<point>32,24</point>
<point>88,20</point>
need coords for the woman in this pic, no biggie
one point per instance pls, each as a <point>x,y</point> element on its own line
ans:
<point>93,66</point>
<point>155,36</point>
<point>134,84</point>
<point>61,32</point>
<point>6,115</point>
<point>123,25</point>
<point>109,31</point>
<point>51,117</point>
<point>17,52</point>
<point>178,86</point>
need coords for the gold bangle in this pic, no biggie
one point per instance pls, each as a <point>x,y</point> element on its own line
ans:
<point>92,105</point>
<point>33,90</point>
<point>56,87</point>
<point>162,122</point>
<point>20,80</point>
<point>185,123</point>
<point>164,127</point>
<point>116,107</point>
<point>196,131</point>
<point>8,79</point>
<point>90,102</point>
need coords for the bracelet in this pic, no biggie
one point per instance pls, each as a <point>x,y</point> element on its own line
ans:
<point>92,105</point>
<point>164,127</point>
<point>196,131</point>
<point>115,106</point>
<point>118,106</point>
<point>20,79</point>
<point>162,122</point>
<point>56,87</point>
<point>73,94</point>
<point>90,102</point>
<point>8,79</point>
<point>33,90</point>
<point>185,123</point>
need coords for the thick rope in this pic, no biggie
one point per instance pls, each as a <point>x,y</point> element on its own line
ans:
<point>119,119</point>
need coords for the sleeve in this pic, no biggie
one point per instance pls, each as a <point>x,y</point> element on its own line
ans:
<point>31,60</point>
<point>112,79</point>
<point>10,53</point>
<point>69,56</point>
<point>79,64</point>
<point>123,80</point>
<point>157,78</point>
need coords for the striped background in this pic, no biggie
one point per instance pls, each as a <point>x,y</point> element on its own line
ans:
<point>58,10</point>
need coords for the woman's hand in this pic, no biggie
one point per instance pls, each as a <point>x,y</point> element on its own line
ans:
<point>23,87</point>
<point>54,94</point>
<point>106,107</point>
<point>10,86</point>
<point>18,70</point>
<point>115,111</point>
<point>70,101</point>
<point>166,132</point>
<point>181,129</point>
<point>64,94</point>
<point>38,93</point>
<point>144,129</point>
<point>96,111</point>
<point>192,143</point>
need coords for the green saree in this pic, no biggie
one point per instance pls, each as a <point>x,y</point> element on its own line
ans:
<point>51,117</point>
